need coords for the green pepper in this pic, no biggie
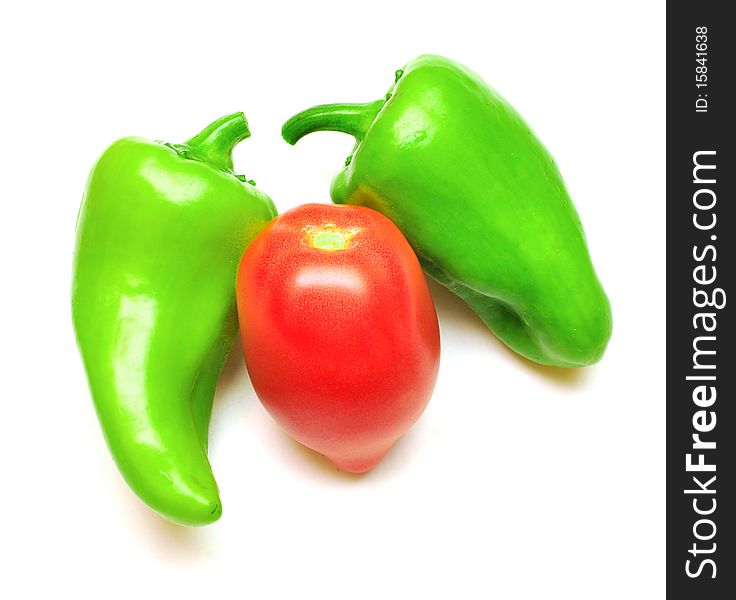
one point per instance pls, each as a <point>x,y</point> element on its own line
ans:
<point>480,200</point>
<point>160,234</point>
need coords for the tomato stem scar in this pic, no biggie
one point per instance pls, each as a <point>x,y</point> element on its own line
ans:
<point>330,237</point>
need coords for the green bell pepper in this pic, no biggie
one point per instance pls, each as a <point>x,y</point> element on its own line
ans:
<point>160,233</point>
<point>482,203</point>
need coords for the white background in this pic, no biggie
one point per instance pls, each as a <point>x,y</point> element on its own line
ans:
<point>516,482</point>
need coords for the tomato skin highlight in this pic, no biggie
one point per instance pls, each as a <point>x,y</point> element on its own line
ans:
<point>339,331</point>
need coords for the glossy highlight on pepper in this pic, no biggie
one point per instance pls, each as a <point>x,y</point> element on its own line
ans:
<point>159,235</point>
<point>481,201</point>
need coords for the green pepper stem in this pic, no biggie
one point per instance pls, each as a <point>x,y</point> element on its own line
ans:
<point>353,119</point>
<point>214,144</point>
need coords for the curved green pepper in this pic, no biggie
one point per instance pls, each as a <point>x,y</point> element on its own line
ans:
<point>482,203</point>
<point>160,233</point>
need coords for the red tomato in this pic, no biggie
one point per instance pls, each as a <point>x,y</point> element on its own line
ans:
<point>339,330</point>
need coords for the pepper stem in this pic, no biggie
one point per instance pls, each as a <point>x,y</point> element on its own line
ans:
<point>353,119</point>
<point>214,144</point>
